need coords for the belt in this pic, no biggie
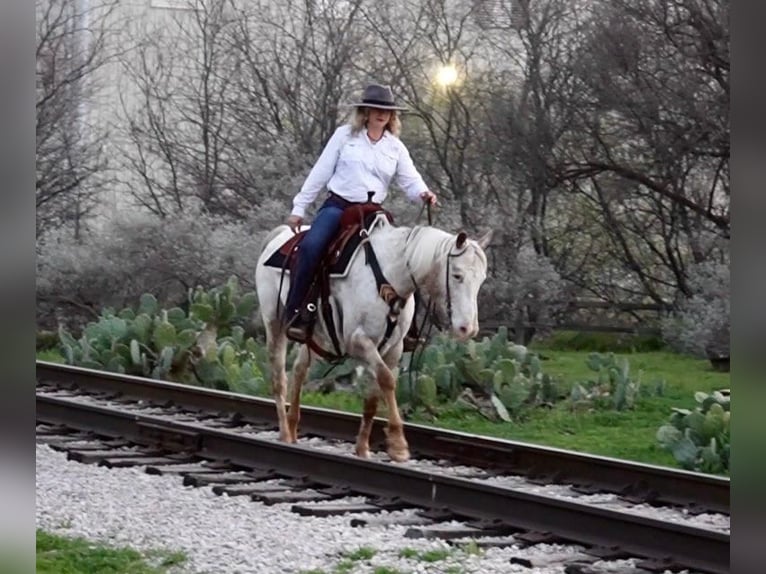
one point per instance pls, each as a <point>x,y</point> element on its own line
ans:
<point>342,199</point>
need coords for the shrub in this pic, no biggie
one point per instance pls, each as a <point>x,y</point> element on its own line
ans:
<point>139,255</point>
<point>602,342</point>
<point>524,289</point>
<point>47,340</point>
<point>699,439</point>
<point>700,324</point>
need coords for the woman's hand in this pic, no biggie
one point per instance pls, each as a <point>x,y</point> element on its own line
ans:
<point>294,222</point>
<point>428,197</point>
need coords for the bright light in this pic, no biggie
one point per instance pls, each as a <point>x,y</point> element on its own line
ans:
<point>447,75</point>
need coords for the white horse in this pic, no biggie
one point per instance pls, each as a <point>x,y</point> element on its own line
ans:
<point>448,269</point>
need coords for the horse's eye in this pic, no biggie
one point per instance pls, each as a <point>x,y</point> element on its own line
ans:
<point>457,277</point>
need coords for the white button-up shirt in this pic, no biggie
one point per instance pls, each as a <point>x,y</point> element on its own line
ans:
<point>351,165</point>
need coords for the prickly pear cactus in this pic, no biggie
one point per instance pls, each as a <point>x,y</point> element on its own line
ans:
<point>207,346</point>
<point>699,439</point>
<point>613,387</point>
<point>506,375</point>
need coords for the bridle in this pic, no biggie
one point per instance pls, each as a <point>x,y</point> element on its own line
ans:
<point>450,255</point>
<point>428,316</point>
<point>447,291</point>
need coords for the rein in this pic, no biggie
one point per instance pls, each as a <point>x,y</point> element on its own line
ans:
<point>427,206</point>
<point>428,315</point>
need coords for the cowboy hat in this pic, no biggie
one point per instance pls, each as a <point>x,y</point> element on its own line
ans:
<point>377,96</point>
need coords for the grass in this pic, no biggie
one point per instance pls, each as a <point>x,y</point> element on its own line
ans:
<point>351,558</point>
<point>626,435</point>
<point>363,553</point>
<point>63,555</point>
<point>425,556</point>
<point>51,356</point>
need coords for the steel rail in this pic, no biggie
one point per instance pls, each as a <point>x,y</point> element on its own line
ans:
<point>665,485</point>
<point>689,547</point>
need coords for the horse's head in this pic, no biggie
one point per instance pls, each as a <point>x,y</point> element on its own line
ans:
<point>465,271</point>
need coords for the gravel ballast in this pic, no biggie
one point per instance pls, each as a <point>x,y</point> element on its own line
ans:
<point>222,535</point>
<point>234,535</point>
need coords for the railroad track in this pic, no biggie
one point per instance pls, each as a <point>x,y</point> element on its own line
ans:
<point>495,488</point>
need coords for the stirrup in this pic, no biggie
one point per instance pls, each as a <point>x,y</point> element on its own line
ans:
<point>298,326</point>
<point>298,333</point>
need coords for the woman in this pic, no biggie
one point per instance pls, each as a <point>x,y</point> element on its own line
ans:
<point>360,157</point>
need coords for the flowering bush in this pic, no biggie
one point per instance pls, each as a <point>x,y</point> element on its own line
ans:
<point>143,254</point>
<point>700,324</point>
<point>524,289</point>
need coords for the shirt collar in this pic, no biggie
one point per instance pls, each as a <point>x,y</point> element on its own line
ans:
<point>385,135</point>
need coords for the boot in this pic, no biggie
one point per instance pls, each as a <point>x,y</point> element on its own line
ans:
<point>298,326</point>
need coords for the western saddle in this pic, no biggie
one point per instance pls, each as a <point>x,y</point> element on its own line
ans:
<point>356,222</point>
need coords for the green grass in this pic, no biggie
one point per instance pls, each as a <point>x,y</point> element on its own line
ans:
<point>425,556</point>
<point>349,559</point>
<point>62,555</point>
<point>627,435</point>
<point>50,355</point>
<point>434,555</point>
<point>363,553</point>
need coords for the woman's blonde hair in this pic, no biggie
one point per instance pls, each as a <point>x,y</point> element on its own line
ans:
<point>358,120</point>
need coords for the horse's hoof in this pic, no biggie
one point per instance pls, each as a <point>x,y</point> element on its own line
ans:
<point>288,438</point>
<point>399,454</point>
<point>363,452</point>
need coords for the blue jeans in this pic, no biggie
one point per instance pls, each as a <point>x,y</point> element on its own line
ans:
<point>310,251</point>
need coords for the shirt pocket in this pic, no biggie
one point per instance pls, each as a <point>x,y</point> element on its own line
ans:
<point>386,161</point>
<point>352,154</point>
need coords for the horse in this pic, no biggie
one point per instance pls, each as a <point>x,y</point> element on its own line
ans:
<point>447,269</point>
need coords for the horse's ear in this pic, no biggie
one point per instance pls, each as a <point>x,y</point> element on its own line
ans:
<point>485,239</point>
<point>462,237</point>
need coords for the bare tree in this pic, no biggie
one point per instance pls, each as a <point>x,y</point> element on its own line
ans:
<point>236,99</point>
<point>530,117</point>
<point>654,108</point>
<point>414,41</point>
<point>73,44</point>
<point>177,118</point>
<point>296,67</point>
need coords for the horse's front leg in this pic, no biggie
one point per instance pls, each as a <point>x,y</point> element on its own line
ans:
<point>364,349</point>
<point>300,372</point>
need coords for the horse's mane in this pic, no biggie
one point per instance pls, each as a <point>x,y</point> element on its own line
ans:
<point>425,244</point>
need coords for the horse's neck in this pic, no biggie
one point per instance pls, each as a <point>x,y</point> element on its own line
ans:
<point>425,251</point>
<point>410,257</point>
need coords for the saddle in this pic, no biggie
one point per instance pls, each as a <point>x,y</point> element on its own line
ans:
<point>355,221</point>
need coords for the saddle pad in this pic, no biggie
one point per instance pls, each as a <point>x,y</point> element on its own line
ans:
<point>341,263</point>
